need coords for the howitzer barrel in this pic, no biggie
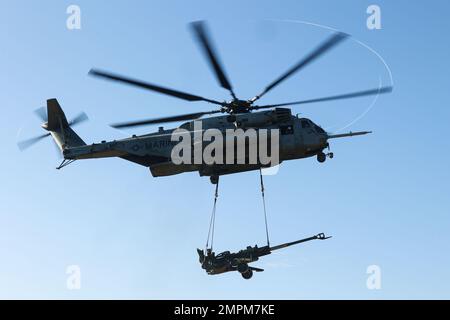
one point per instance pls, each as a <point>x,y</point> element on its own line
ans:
<point>320,236</point>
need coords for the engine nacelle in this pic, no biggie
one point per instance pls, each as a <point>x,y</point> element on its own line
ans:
<point>256,120</point>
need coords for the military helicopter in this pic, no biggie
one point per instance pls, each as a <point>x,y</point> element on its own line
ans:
<point>227,261</point>
<point>299,137</point>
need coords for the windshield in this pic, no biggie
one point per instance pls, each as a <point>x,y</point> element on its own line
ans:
<point>319,129</point>
<point>306,123</point>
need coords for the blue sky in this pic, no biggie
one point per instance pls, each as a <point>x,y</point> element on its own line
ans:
<point>384,197</point>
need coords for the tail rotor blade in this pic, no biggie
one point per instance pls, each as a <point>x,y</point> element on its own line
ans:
<point>82,117</point>
<point>42,114</point>
<point>25,144</point>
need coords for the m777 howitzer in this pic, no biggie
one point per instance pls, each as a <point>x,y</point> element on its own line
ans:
<point>227,261</point>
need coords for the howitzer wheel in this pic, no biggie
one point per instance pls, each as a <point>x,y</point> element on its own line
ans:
<point>247,275</point>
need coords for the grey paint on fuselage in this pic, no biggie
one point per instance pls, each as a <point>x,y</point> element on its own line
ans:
<point>301,138</point>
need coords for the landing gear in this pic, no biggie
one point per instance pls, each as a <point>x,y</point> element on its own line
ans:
<point>321,157</point>
<point>247,275</point>
<point>64,163</point>
<point>214,179</point>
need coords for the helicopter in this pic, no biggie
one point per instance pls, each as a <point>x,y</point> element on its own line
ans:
<point>227,261</point>
<point>299,137</point>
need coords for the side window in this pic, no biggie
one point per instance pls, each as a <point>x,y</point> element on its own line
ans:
<point>289,129</point>
<point>186,126</point>
<point>305,124</point>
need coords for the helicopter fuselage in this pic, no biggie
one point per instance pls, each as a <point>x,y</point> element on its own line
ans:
<point>298,138</point>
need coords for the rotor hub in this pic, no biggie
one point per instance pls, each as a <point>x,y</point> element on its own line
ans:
<point>238,106</point>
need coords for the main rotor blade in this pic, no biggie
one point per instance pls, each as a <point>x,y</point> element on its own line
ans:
<point>204,40</point>
<point>336,97</point>
<point>331,42</point>
<point>79,119</point>
<point>42,113</point>
<point>189,116</point>
<point>25,144</point>
<point>149,86</point>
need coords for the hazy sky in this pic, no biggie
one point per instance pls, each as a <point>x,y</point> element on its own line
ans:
<point>384,197</point>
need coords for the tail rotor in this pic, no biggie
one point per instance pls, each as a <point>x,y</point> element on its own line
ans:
<point>42,114</point>
<point>25,144</point>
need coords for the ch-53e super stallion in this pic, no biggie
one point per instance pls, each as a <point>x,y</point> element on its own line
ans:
<point>298,137</point>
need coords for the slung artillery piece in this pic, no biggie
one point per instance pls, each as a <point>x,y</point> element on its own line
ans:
<point>228,261</point>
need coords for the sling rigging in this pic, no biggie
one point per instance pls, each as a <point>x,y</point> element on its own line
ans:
<point>212,221</point>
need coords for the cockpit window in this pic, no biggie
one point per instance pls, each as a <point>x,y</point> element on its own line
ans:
<point>186,126</point>
<point>305,124</point>
<point>319,129</point>
<point>286,129</point>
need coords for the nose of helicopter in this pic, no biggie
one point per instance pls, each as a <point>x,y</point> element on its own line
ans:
<point>320,135</point>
